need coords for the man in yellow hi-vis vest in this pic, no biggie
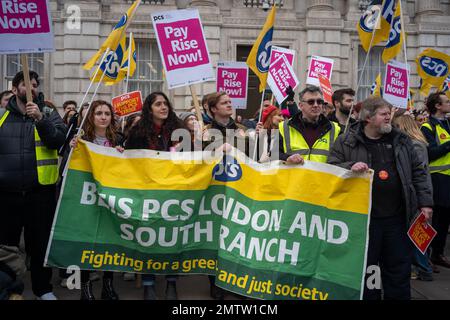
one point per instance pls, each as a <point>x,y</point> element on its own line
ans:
<point>437,133</point>
<point>30,135</point>
<point>308,135</point>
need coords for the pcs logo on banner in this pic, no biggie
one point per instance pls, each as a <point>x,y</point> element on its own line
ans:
<point>228,169</point>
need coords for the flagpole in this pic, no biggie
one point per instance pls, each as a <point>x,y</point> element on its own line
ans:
<point>82,123</point>
<point>129,61</point>
<point>363,69</point>
<point>101,79</point>
<point>98,68</point>
<point>87,92</point>
<point>93,78</point>
<point>259,120</point>
<point>404,46</point>
<point>93,96</point>
<point>403,32</point>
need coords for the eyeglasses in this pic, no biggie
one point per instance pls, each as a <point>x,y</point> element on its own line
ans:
<point>311,102</point>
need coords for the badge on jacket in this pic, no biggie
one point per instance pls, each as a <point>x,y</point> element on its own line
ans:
<point>383,175</point>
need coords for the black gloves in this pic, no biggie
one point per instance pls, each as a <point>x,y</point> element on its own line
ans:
<point>290,93</point>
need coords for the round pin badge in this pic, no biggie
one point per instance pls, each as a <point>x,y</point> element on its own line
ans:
<point>383,175</point>
<point>443,136</point>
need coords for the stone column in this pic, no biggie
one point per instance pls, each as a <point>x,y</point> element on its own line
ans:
<point>429,7</point>
<point>182,4</point>
<point>300,7</point>
<point>353,12</point>
<point>320,5</point>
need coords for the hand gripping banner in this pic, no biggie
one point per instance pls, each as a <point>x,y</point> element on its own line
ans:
<point>267,231</point>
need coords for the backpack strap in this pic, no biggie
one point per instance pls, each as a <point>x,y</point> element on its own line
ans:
<point>3,114</point>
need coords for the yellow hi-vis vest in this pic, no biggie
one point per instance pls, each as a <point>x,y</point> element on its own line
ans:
<point>441,165</point>
<point>46,159</point>
<point>294,143</point>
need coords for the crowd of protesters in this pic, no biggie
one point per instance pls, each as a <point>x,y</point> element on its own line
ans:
<point>408,151</point>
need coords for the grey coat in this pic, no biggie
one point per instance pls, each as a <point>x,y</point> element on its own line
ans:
<point>350,148</point>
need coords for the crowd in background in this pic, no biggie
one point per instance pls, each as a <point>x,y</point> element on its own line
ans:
<point>413,158</point>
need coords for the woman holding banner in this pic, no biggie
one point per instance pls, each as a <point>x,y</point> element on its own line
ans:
<point>99,128</point>
<point>153,131</point>
<point>265,133</point>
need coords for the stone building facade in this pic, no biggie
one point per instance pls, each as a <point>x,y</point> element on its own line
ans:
<point>311,27</point>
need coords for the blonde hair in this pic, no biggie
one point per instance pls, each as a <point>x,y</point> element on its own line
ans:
<point>407,124</point>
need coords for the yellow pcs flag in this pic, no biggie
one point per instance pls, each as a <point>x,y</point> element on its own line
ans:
<point>387,15</point>
<point>109,71</point>
<point>433,69</point>
<point>115,36</point>
<point>411,100</point>
<point>395,41</point>
<point>446,86</point>
<point>376,89</point>
<point>259,57</point>
<point>424,88</point>
<point>129,64</point>
<point>369,21</point>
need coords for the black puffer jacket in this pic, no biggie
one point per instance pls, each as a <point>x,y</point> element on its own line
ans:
<point>17,147</point>
<point>441,182</point>
<point>350,148</point>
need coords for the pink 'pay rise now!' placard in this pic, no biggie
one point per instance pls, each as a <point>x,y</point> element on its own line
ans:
<point>396,84</point>
<point>182,44</point>
<point>233,81</point>
<point>232,78</point>
<point>23,17</point>
<point>281,76</point>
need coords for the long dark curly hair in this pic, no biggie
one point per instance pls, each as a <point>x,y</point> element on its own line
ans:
<point>89,126</point>
<point>143,135</point>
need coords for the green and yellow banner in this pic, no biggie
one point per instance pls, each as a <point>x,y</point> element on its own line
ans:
<point>267,231</point>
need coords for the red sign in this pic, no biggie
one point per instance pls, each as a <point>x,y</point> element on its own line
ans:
<point>421,233</point>
<point>127,103</point>
<point>325,86</point>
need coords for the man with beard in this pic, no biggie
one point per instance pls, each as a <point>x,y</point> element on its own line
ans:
<point>30,135</point>
<point>342,102</point>
<point>400,190</point>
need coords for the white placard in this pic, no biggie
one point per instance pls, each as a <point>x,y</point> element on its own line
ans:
<point>320,65</point>
<point>183,48</point>
<point>280,77</point>
<point>232,78</point>
<point>25,27</point>
<point>396,84</point>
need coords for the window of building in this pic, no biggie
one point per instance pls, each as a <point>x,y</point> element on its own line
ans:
<point>264,4</point>
<point>149,70</point>
<point>374,66</point>
<point>13,65</point>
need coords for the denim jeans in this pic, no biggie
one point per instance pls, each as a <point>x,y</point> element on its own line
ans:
<point>421,262</point>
